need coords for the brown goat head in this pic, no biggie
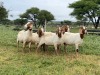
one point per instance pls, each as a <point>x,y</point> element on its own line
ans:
<point>65,28</point>
<point>82,31</point>
<point>28,26</point>
<point>59,32</point>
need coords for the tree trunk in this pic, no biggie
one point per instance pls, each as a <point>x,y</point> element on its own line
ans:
<point>96,23</point>
<point>96,26</point>
<point>45,25</point>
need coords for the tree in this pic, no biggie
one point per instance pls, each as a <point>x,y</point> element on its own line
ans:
<point>6,22</point>
<point>67,22</point>
<point>88,9</point>
<point>42,15</point>
<point>3,12</point>
<point>78,23</point>
<point>20,21</point>
<point>62,22</point>
<point>33,10</point>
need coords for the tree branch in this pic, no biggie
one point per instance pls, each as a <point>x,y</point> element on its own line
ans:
<point>90,17</point>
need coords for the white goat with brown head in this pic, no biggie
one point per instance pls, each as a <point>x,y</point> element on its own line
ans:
<point>65,28</point>
<point>74,38</point>
<point>25,36</point>
<point>49,38</point>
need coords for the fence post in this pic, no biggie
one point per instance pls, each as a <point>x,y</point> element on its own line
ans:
<point>45,25</point>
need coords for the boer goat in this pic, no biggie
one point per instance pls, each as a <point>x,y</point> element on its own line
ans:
<point>49,38</point>
<point>69,38</point>
<point>25,36</point>
<point>65,28</point>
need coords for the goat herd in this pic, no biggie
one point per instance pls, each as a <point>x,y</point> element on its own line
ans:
<point>62,36</point>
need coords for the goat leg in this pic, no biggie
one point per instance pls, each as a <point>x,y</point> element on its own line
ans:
<point>18,45</point>
<point>30,47</point>
<point>56,50</point>
<point>24,44</point>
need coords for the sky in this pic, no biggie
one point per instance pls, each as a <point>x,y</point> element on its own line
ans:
<point>59,8</point>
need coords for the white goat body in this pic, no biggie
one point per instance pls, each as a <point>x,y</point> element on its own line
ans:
<point>74,38</point>
<point>35,38</point>
<point>49,38</point>
<point>71,38</point>
<point>24,36</point>
<point>47,33</point>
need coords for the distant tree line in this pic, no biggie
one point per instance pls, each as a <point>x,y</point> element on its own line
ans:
<point>85,11</point>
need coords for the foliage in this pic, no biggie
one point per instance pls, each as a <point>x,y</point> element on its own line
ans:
<point>67,22</point>
<point>33,10</point>
<point>42,15</point>
<point>6,22</point>
<point>88,9</point>
<point>3,13</point>
<point>78,23</point>
<point>20,21</point>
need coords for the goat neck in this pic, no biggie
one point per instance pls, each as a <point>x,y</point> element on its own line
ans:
<point>29,32</point>
<point>82,31</point>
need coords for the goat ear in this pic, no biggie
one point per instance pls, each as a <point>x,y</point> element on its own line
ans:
<point>40,33</point>
<point>83,31</point>
<point>59,34</point>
